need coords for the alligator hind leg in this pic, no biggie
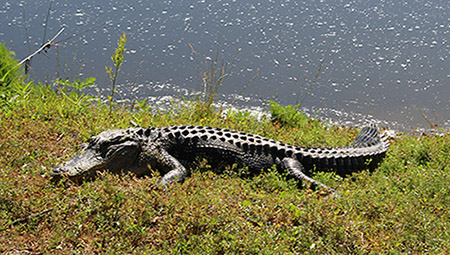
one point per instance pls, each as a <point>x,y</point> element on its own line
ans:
<point>296,171</point>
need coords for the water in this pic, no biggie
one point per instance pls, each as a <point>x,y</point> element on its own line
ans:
<point>386,59</point>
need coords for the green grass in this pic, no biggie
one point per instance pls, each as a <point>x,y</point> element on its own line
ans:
<point>10,75</point>
<point>401,207</point>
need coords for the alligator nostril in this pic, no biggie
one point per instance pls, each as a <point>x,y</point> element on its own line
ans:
<point>59,170</point>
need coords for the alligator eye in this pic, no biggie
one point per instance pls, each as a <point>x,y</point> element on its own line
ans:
<point>103,146</point>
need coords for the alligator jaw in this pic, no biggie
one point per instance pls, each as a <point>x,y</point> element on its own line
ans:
<point>118,157</point>
<point>84,164</point>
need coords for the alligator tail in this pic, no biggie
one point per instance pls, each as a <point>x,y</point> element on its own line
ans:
<point>368,136</point>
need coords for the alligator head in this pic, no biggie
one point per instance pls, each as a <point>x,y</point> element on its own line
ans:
<point>116,150</point>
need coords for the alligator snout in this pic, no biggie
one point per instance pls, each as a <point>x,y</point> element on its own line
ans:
<point>59,170</point>
<point>57,173</point>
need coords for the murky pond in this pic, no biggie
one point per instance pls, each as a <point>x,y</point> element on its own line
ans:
<point>384,59</point>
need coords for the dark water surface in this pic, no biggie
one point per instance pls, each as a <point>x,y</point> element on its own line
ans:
<point>384,59</point>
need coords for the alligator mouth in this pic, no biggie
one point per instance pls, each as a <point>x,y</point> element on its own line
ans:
<point>84,164</point>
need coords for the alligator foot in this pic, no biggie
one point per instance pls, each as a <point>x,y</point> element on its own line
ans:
<point>296,171</point>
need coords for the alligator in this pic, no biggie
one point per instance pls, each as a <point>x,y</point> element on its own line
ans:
<point>174,150</point>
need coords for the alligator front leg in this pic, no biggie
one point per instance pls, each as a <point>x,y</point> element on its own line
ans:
<point>177,171</point>
<point>296,171</point>
<point>159,159</point>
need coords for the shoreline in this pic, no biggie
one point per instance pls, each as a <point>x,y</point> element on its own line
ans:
<point>164,94</point>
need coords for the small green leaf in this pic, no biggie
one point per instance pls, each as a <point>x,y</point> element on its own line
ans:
<point>245,203</point>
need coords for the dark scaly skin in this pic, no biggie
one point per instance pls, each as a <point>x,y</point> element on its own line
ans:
<point>172,150</point>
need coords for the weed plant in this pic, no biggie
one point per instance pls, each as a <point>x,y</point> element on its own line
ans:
<point>401,207</point>
<point>10,75</point>
<point>117,59</point>
<point>213,74</point>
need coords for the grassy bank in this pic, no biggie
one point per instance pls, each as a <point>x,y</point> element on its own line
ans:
<point>402,207</point>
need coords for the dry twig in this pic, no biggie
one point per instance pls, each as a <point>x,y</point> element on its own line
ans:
<point>36,215</point>
<point>43,47</point>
